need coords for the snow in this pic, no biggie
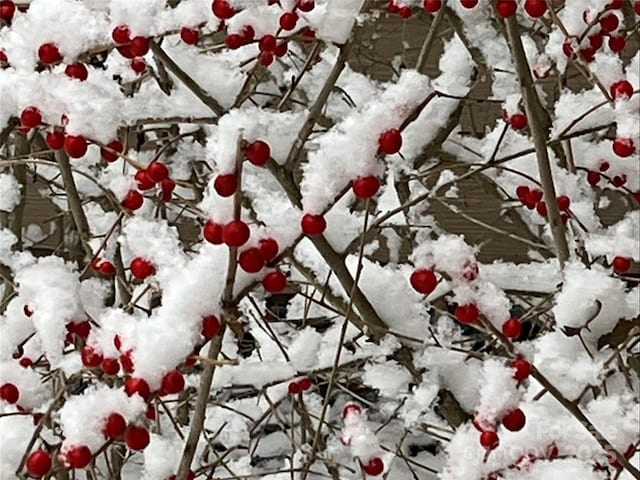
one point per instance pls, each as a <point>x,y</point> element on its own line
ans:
<point>9,192</point>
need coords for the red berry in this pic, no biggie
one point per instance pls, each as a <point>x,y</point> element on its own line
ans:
<point>91,357</point>
<point>258,152</point>
<point>432,6</point>
<point>143,181</point>
<point>294,388</point>
<point>48,53</point>
<point>522,192</point>
<point>469,3</point>
<point>135,385</point>
<point>190,36</point>
<point>137,438</point>
<point>26,362</point>
<point>222,9</point>
<point>141,268</point>
<point>621,89</point>
<point>212,232</point>
<point>82,329</point>
<point>288,20</point>
<point>604,166</point>
<point>617,43</point>
<point>172,382</point>
<point>609,23</point>
<point>535,8</point>
<point>518,121</point>
<point>126,359</point>
<point>564,203</point>
<point>150,414</point>
<point>351,409</point>
<point>593,178</point>
<point>405,11</point>
<point>226,185</point>
<point>121,34</point>
<point>596,40</point>
<point>268,248</point>
<point>157,171</point>
<point>281,49</point>
<point>108,155</point>
<point>251,260</point>
<point>313,224</point>
<point>78,456</point>
<point>55,139</point>
<point>305,5</point>
<point>390,141</point>
<point>541,208</point>
<point>77,70</point>
<point>234,41</point>
<point>138,65</point>
<point>39,463</point>
<point>210,327</point>
<point>506,8</point>
<point>624,147</point>
<point>621,264</point>
<point>366,187</point>
<point>305,384</point>
<point>567,47</point>
<point>619,180</point>
<point>267,43</point>
<point>235,233</point>
<point>467,313</point>
<point>139,46</point>
<point>9,393</point>
<point>514,421</point>
<point>31,117</point>
<point>107,269</point>
<point>114,426</point>
<point>522,369</point>
<point>3,59</point>
<point>615,5</point>
<point>374,467</point>
<point>110,366</point>
<point>512,328</point>
<point>7,9</point>
<point>133,200</point>
<point>266,59</point>
<point>27,310</point>
<point>75,146</point>
<point>424,281</point>
<point>274,282</point>
<point>636,7</point>
<point>489,440</point>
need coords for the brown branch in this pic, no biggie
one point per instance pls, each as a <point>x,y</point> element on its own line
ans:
<point>186,79</point>
<point>539,131</point>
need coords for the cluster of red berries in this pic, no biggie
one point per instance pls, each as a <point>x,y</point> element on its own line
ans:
<point>514,420</point>
<point>504,8</point>
<point>40,462</point>
<point>373,466</point>
<point>268,44</point>
<point>131,47</point>
<point>594,176</point>
<point>399,8</point>
<point>299,386</point>
<point>532,199</point>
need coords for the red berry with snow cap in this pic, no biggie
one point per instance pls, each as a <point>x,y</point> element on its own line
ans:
<point>467,313</point>
<point>374,467</point>
<point>258,152</point>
